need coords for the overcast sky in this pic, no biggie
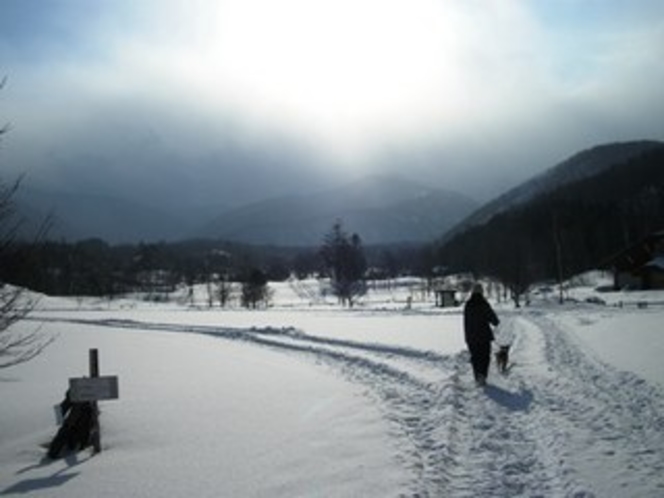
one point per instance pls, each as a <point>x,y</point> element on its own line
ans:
<point>239,98</point>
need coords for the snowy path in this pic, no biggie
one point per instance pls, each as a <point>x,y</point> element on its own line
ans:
<point>599,420</point>
<point>556,425</point>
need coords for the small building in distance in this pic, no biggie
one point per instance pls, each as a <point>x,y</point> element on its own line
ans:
<point>445,298</point>
<point>640,266</point>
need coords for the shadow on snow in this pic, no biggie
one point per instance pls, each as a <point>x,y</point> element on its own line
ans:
<point>518,402</point>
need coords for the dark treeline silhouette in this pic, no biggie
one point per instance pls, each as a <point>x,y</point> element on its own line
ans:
<point>95,268</point>
<point>570,230</point>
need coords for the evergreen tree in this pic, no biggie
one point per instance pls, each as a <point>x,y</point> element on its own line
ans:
<point>254,289</point>
<point>345,264</point>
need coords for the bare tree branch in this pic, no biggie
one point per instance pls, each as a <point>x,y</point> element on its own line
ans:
<point>5,128</point>
<point>15,304</point>
<point>15,346</point>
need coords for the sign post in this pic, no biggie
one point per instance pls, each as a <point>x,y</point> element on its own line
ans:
<point>95,434</point>
<point>92,389</point>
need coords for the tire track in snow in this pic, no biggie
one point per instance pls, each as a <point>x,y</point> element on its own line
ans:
<point>561,423</point>
<point>550,428</point>
<point>552,425</point>
<point>498,447</point>
<point>606,423</point>
<point>395,377</point>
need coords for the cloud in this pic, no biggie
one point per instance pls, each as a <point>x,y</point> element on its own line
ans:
<point>474,94</point>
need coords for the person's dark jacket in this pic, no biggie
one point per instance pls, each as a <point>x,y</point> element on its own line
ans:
<point>478,316</point>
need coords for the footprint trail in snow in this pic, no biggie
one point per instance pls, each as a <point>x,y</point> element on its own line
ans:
<point>555,425</point>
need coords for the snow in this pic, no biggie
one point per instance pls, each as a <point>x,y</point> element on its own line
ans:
<point>308,399</point>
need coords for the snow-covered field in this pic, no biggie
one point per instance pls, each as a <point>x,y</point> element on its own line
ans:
<point>308,399</point>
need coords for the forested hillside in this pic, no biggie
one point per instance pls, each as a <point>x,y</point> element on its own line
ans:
<point>569,229</point>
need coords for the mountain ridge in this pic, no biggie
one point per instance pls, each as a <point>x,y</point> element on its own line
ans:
<point>583,164</point>
<point>381,208</point>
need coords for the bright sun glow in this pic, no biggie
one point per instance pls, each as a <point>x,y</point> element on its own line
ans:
<point>342,69</point>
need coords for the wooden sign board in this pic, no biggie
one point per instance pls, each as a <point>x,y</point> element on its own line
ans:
<point>93,388</point>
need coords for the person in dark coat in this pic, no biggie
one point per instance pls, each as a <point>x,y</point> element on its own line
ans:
<point>478,317</point>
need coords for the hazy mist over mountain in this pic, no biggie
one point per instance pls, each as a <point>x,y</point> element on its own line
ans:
<point>382,208</point>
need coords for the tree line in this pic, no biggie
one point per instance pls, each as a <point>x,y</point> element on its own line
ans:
<point>96,268</point>
<point>570,230</point>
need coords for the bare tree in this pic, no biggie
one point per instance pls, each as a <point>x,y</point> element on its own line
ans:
<point>15,346</point>
<point>225,290</point>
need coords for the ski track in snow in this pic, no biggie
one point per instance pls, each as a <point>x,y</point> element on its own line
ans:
<point>543,429</point>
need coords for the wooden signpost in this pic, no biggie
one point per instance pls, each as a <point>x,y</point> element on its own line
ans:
<point>92,389</point>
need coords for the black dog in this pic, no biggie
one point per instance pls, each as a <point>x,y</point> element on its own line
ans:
<point>502,357</point>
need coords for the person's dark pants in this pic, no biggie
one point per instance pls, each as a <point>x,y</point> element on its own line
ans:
<point>480,357</point>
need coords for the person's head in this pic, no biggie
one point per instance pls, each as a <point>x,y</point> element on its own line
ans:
<point>478,289</point>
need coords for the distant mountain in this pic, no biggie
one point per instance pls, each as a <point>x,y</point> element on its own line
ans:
<point>82,216</point>
<point>585,164</point>
<point>381,209</point>
<point>571,219</point>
